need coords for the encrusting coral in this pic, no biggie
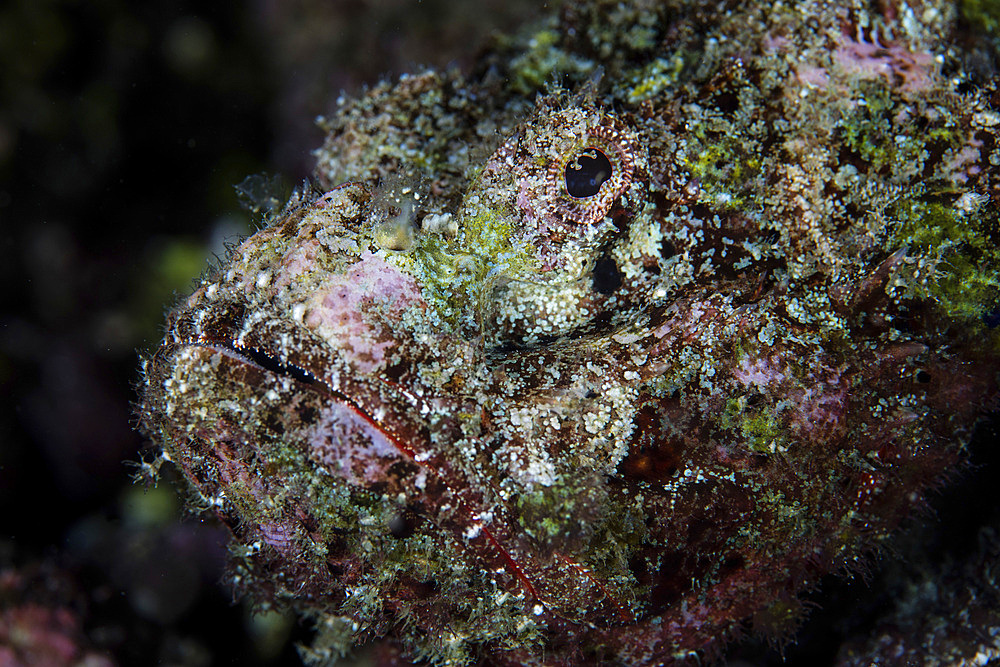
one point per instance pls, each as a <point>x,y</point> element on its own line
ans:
<point>600,373</point>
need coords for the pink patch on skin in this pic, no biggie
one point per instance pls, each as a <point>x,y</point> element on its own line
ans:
<point>278,535</point>
<point>819,410</point>
<point>302,259</point>
<point>913,72</point>
<point>965,162</point>
<point>818,407</point>
<point>538,227</point>
<point>230,466</point>
<point>759,373</point>
<point>526,202</point>
<point>352,310</point>
<point>815,77</point>
<point>350,447</point>
<point>872,61</point>
<point>772,43</point>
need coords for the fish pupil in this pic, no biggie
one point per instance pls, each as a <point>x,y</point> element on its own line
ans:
<point>587,173</point>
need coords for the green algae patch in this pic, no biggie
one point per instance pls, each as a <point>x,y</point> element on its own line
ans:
<point>964,250</point>
<point>656,76</point>
<point>870,132</point>
<point>544,61</point>
<point>763,432</point>
<point>454,271</point>
<point>725,166</point>
<point>573,516</point>
<point>867,129</point>
<point>982,14</point>
<point>554,514</point>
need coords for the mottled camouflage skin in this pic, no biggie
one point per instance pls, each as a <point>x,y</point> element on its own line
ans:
<point>445,404</point>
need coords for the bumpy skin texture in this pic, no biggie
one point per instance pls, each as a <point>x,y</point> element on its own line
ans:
<point>445,404</point>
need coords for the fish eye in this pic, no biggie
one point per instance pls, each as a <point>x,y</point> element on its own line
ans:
<point>589,168</point>
<point>587,173</point>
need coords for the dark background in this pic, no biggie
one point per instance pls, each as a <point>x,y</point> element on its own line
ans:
<point>123,128</point>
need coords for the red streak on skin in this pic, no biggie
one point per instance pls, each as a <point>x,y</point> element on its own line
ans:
<point>624,615</point>
<point>511,563</point>
<point>488,545</point>
<point>232,351</point>
<point>411,453</point>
